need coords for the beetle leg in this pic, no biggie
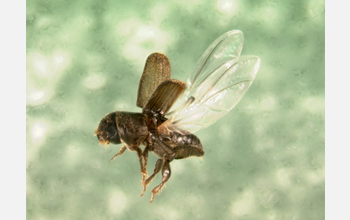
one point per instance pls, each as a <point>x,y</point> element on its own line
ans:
<point>145,160</point>
<point>121,151</point>
<point>158,166</point>
<point>139,154</point>
<point>166,172</point>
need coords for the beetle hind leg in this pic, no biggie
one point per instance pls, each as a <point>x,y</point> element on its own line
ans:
<point>157,168</point>
<point>166,172</point>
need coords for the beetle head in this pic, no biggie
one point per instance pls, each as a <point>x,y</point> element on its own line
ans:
<point>107,131</point>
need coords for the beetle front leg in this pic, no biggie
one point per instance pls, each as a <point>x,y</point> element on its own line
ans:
<point>166,172</point>
<point>121,151</point>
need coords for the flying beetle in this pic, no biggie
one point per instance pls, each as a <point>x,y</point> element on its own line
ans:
<point>173,110</point>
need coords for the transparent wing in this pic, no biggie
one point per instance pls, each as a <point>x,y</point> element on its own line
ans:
<point>216,84</point>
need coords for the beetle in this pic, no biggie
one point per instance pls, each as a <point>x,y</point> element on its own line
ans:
<point>173,110</point>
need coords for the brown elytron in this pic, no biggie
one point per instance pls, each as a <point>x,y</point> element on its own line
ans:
<point>218,81</point>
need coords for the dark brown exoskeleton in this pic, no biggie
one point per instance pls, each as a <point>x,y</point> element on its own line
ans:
<point>214,87</point>
<point>157,93</point>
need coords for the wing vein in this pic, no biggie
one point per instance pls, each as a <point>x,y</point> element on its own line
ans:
<point>224,89</point>
<point>215,82</point>
<point>205,62</point>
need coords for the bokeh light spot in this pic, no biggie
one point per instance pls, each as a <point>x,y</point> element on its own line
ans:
<point>38,132</point>
<point>226,6</point>
<point>268,103</point>
<point>243,205</point>
<point>94,81</point>
<point>117,202</point>
<point>142,39</point>
<point>36,95</point>
<point>313,104</point>
<point>40,64</point>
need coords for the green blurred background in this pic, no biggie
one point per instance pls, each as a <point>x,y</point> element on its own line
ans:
<point>264,160</point>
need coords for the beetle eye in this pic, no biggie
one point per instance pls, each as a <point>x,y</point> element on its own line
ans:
<point>112,135</point>
<point>111,130</point>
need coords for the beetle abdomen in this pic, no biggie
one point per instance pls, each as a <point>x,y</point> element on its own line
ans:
<point>186,145</point>
<point>187,139</point>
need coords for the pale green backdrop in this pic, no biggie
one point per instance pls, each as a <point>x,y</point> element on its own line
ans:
<point>264,160</point>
